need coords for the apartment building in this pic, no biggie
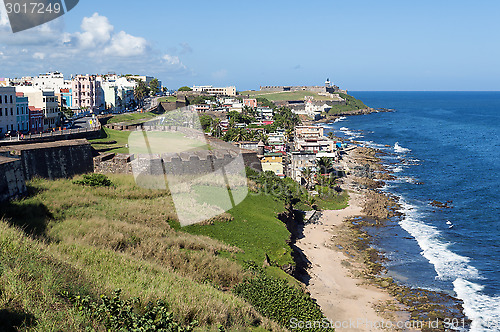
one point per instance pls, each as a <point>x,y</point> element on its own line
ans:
<point>87,93</point>
<point>8,118</point>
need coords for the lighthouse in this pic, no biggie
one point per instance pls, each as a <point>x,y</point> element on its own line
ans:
<point>327,83</point>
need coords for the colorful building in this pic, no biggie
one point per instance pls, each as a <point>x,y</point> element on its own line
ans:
<point>22,113</point>
<point>87,93</point>
<point>35,120</point>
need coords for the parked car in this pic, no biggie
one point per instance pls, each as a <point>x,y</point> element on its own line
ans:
<point>11,133</point>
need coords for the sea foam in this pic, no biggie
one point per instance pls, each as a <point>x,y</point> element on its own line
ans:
<point>448,265</point>
<point>399,149</point>
<point>483,310</point>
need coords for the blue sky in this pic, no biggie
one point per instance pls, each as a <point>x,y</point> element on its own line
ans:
<point>359,45</point>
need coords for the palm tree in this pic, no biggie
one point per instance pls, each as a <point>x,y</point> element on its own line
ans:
<point>289,134</point>
<point>216,128</point>
<point>324,165</point>
<point>263,137</point>
<point>240,135</point>
<point>331,135</point>
<point>307,174</point>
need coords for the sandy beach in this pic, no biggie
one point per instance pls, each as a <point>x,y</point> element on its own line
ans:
<point>348,302</point>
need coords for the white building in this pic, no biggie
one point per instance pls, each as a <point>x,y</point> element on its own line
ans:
<point>8,118</point>
<point>208,89</point>
<point>118,92</point>
<point>51,81</point>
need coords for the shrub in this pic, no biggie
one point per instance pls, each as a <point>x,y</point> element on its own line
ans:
<point>276,299</point>
<point>128,315</point>
<point>94,180</point>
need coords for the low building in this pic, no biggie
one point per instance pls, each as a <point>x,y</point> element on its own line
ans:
<point>299,160</point>
<point>210,90</point>
<point>265,113</point>
<point>201,107</point>
<point>35,120</point>
<point>273,162</point>
<point>248,145</point>
<point>250,102</point>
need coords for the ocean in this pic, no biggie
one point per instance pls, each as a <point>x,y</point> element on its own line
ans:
<point>445,147</point>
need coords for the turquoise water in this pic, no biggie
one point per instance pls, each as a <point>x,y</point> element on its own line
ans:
<point>442,146</point>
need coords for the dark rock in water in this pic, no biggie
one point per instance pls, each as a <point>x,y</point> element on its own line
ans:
<point>441,205</point>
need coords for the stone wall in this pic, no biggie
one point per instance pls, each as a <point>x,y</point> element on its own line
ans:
<point>12,183</point>
<point>52,160</point>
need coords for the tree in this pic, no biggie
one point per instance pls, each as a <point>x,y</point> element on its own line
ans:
<point>205,121</point>
<point>216,128</point>
<point>307,175</point>
<point>285,118</point>
<point>324,165</point>
<point>331,135</point>
<point>154,86</point>
<point>185,88</point>
<point>141,91</point>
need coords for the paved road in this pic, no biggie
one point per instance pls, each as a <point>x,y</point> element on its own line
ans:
<point>83,122</point>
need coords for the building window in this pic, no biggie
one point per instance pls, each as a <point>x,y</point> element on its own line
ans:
<point>11,99</point>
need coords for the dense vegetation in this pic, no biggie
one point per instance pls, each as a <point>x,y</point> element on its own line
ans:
<point>352,104</point>
<point>276,299</point>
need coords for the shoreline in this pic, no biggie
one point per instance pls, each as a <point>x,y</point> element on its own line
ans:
<point>346,273</point>
<point>344,296</point>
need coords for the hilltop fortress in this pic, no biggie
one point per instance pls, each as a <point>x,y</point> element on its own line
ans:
<point>327,88</point>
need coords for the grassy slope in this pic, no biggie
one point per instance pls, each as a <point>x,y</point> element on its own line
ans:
<point>108,135</point>
<point>160,142</point>
<point>132,117</point>
<point>167,99</point>
<point>107,238</point>
<point>280,96</point>
<point>351,102</point>
<point>255,229</point>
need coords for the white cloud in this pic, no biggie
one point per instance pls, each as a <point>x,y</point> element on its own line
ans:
<point>124,45</point>
<point>39,55</point>
<point>96,47</point>
<point>97,32</point>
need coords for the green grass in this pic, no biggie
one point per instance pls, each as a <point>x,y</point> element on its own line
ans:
<point>352,104</point>
<point>160,142</point>
<point>254,229</point>
<point>94,240</point>
<point>107,135</point>
<point>168,99</point>
<point>336,202</point>
<point>132,118</point>
<point>285,96</point>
